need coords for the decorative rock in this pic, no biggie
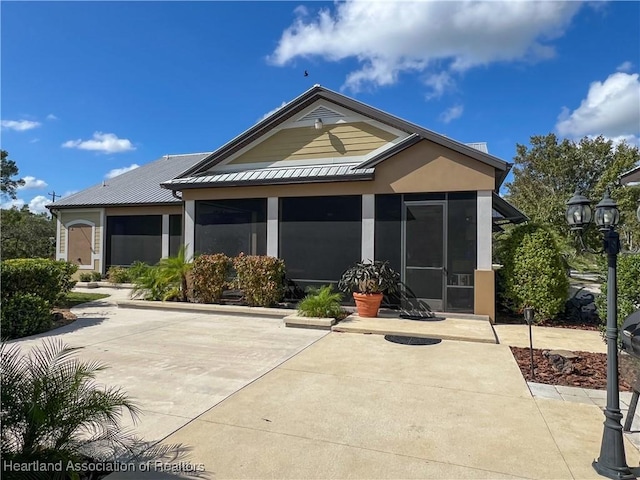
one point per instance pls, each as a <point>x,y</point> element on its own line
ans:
<point>561,360</point>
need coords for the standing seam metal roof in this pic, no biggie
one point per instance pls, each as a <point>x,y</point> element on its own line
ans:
<point>138,186</point>
<point>300,174</point>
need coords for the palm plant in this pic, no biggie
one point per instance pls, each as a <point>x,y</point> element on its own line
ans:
<point>321,302</point>
<point>54,411</point>
<point>173,271</point>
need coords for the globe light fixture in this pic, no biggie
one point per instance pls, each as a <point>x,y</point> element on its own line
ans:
<point>612,462</point>
<point>578,213</point>
<point>607,213</point>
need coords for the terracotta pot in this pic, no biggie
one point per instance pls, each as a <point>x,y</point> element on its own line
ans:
<point>367,304</point>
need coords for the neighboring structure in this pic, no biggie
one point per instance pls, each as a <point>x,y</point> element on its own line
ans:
<point>322,182</point>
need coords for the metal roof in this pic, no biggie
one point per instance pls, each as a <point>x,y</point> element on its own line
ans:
<point>135,187</point>
<point>504,212</point>
<point>274,175</point>
<point>316,93</point>
<point>631,176</point>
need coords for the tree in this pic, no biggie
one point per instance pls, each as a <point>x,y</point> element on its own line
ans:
<point>548,171</point>
<point>8,170</point>
<point>26,235</point>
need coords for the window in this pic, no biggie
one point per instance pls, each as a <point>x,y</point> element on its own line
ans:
<point>231,226</point>
<point>320,237</point>
<point>133,238</point>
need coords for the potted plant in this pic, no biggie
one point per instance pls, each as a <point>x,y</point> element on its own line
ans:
<point>369,281</point>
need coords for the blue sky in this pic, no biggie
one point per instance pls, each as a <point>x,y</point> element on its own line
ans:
<point>93,88</point>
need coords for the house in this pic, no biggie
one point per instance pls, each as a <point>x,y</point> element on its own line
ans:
<point>321,183</point>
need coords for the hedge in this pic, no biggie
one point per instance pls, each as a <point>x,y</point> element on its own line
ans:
<point>533,273</point>
<point>628,273</point>
<point>45,278</point>
<point>24,314</point>
<point>260,278</point>
<point>209,276</point>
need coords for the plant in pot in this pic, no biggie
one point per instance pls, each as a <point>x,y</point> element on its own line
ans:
<point>369,281</point>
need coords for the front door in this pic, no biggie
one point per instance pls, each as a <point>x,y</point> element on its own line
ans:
<point>424,257</point>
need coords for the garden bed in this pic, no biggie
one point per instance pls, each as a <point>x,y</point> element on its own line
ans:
<point>590,370</point>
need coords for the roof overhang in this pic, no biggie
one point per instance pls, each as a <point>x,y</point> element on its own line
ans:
<point>632,176</point>
<point>504,212</point>
<point>318,93</point>
<point>274,176</point>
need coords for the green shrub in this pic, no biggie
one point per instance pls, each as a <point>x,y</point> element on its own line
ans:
<point>24,314</point>
<point>96,276</point>
<point>48,279</point>
<point>260,278</point>
<point>628,273</point>
<point>321,302</point>
<point>148,282</point>
<point>119,275</point>
<point>533,273</point>
<point>174,271</point>
<point>209,276</point>
<point>85,277</point>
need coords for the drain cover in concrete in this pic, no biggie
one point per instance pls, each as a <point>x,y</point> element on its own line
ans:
<point>412,340</point>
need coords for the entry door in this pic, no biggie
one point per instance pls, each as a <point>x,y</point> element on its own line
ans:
<point>424,251</point>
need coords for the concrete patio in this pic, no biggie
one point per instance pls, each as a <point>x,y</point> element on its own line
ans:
<point>252,399</point>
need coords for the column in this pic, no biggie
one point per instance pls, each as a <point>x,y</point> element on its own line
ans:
<point>368,226</point>
<point>165,236</point>
<point>272,226</point>
<point>189,227</point>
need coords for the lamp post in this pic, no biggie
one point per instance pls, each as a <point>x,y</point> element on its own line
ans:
<point>612,461</point>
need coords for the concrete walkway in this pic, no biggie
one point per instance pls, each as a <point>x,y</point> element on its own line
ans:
<point>358,406</point>
<point>175,365</point>
<point>252,399</point>
<point>551,338</point>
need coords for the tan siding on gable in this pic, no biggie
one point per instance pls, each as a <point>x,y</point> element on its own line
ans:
<point>304,143</point>
<point>63,239</point>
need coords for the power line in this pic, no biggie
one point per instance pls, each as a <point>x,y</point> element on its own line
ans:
<point>53,196</point>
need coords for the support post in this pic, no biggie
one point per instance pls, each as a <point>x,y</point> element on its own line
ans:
<point>612,462</point>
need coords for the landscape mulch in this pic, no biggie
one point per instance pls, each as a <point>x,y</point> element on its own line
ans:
<point>589,370</point>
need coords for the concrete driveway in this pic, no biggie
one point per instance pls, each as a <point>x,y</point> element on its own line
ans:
<point>357,406</point>
<point>176,365</point>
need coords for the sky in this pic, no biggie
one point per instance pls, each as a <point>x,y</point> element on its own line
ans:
<point>92,89</point>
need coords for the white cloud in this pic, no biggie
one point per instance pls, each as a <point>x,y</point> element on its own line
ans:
<point>625,67</point>
<point>31,183</point>
<point>51,116</point>
<point>34,140</point>
<point>37,204</point>
<point>611,109</point>
<point>119,171</point>
<point>102,142</point>
<point>452,113</point>
<point>440,83</point>
<point>17,203</point>
<point>271,112</point>
<point>19,125</point>
<point>389,38</point>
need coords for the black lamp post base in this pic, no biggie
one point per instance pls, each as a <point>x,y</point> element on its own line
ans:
<point>616,473</point>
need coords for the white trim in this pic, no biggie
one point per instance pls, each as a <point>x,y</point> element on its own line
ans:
<point>92,246</point>
<point>59,255</point>
<point>272,226</point>
<point>189,227</point>
<point>348,117</point>
<point>103,239</point>
<point>165,236</point>
<point>484,229</point>
<point>368,226</point>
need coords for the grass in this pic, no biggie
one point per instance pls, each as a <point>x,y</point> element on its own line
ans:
<point>76,298</point>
